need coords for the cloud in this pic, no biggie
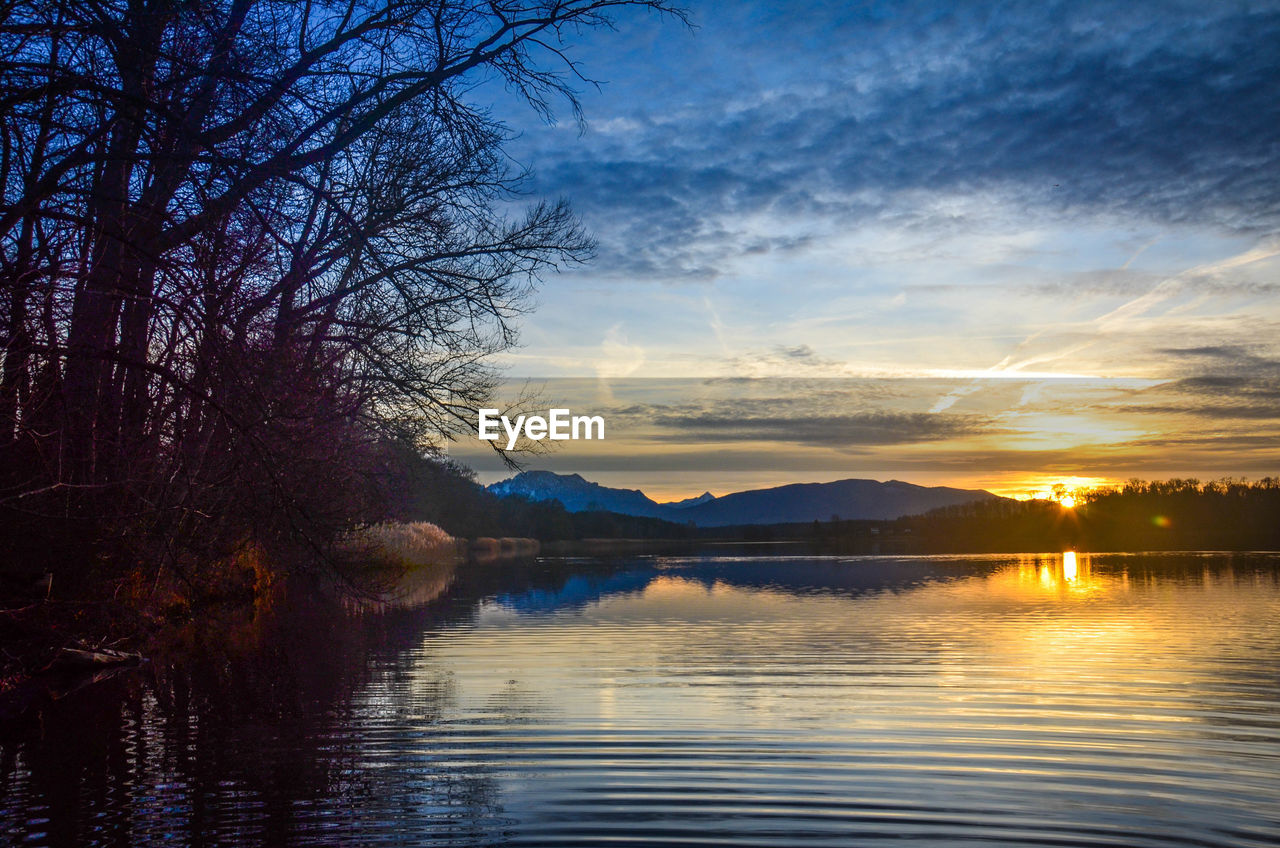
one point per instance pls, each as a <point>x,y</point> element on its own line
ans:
<point>783,360</point>
<point>1232,380</point>
<point>842,432</point>
<point>618,357</point>
<point>1223,383</point>
<point>806,429</point>
<point>934,117</point>
<point>1235,359</point>
<point>1217,411</point>
<point>798,352</point>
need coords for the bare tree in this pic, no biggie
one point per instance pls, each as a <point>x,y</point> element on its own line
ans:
<point>245,238</point>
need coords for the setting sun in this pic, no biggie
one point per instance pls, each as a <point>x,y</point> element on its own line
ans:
<point>1058,493</point>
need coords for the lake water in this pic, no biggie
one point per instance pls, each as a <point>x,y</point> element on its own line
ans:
<point>1123,700</point>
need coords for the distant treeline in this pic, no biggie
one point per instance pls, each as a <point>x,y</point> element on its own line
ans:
<point>1180,514</point>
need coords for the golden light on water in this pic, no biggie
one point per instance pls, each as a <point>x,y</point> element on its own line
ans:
<point>1066,572</point>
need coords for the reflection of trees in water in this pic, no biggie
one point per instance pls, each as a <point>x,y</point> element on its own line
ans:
<point>555,587</point>
<point>250,728</point>
<point>296,724</point>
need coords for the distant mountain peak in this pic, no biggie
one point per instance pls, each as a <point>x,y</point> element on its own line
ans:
<point>688,502</point>
<point>576,493</point>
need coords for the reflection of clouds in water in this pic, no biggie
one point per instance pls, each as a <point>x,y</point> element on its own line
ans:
<point>1007,677</point>
<point>954,698</point>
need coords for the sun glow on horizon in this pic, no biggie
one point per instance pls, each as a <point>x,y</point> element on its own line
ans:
<point>1063,497</point>
<point>1066,491</point>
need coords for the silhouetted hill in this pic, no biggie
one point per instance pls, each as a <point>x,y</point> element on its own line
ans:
<point>847,499</point>
<point>800,502</point>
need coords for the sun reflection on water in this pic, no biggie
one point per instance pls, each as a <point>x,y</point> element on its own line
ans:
<point>1068,571</point>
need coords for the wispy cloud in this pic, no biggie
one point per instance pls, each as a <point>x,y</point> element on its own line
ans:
<point>1163,112</point>
<point>928,189</point>
<point>838,432</point>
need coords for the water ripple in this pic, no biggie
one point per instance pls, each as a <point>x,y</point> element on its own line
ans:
<point>697,702</point>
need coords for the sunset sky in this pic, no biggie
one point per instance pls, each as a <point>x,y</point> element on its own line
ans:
<point>978,244</point>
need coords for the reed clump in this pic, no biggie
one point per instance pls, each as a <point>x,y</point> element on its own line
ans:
<point>415,544</point>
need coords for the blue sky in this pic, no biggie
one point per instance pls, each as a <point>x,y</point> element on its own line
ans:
<point>1082,199</point>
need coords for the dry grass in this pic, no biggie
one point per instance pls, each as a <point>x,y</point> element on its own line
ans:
<point>413,545</point>
<point>403,564</point>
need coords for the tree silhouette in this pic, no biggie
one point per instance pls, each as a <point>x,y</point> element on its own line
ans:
<point>243,243</point>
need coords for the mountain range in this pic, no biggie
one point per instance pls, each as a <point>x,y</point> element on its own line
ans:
<point>798,502</point>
